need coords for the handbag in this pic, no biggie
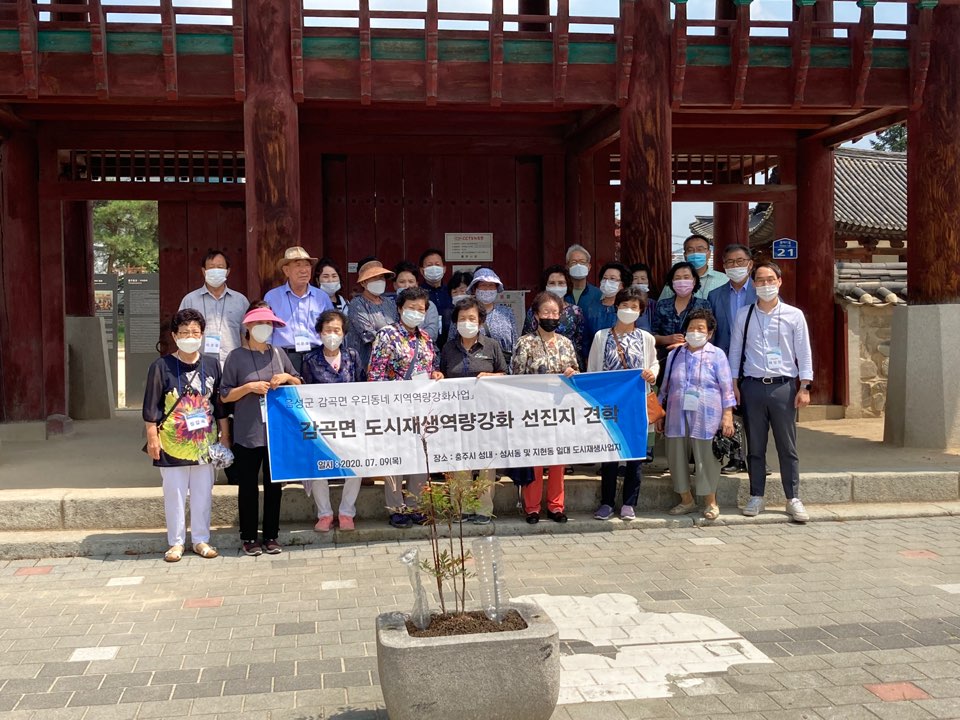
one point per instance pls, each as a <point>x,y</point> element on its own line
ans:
<point>655,411</point>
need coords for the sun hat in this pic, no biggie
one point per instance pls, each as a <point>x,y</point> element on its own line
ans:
<point>485,275</point>
<point>295,253</point>
<point>263,314</point>
<point>372,269</point>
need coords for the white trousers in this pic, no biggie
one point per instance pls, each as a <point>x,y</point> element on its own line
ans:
<point>178,482</point>
<point>320,489</point>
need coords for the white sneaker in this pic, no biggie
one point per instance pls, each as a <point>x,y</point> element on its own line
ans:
<point>796,511</point>
<point>754,506</point>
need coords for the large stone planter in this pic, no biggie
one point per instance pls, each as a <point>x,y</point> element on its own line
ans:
<point>492,676</point>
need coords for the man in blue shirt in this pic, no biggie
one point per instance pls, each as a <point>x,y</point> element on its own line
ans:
<point>298,304</point>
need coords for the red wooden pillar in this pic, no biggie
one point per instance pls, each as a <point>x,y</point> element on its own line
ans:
<point>815,263</point>
<point>785,223</point>
<point>21,321</point>
<point>271,143</point>
<point>78,258</point>
<point>933,159</point>
<point>731,226</point>
<point>645,144</point>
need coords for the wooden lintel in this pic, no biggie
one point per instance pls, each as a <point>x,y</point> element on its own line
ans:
<point>561,51</point>
<point>625,34</point>
<point>740,53</point>
<point>239,61</point>
<point>168,29</point>
<point>920,34</point>
<point>860,125</point>
<point>593,134</point>
<point>296,48</point>
<point>27,25</point>
<point>432,29</point>
<point>366,56</point>
<point>802,31</point>
<point>140,191</point>
<point>732,193</point>
<point>678,48</point>
<point>496,54</point>
<point>861,40</point>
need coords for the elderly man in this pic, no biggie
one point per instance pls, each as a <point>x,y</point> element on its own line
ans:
<point>578,265</point>
<point>696,251</point>
<point>298,304</point>
<point>772,362</point>
<point>222,308</point>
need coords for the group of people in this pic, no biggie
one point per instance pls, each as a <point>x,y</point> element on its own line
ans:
<point>711,342</point>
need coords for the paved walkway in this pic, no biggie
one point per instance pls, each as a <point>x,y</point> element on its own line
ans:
<point>828,620</point>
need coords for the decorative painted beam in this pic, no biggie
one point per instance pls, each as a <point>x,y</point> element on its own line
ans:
<point>561,51</point>
<point>366,56</point>
<point>432,30</point>
<point>861,41</point>
<point>802,32</point>
<point>239,61</point>
<point>27,24</point>
<point>296,48</point>
<point>168,30</point>
<point>678,49</point>
<point>496,54</point>
<point>740,51</point>
<point>920,36</point>
<point>625,33</point>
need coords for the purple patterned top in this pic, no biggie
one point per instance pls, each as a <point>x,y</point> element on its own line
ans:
<point>708,373</point>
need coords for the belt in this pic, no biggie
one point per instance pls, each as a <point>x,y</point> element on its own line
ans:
<point>778,380</point>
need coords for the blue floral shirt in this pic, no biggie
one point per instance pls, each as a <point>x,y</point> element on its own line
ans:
<point>317,369</point>
<point>395,348</point>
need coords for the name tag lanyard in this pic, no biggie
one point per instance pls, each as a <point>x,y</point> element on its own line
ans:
<point>256,368</point>
<point>195,419</point>
<point>212,342</point>
<point>773,357</point>
<point>691,396</point>
<point>196,373</point>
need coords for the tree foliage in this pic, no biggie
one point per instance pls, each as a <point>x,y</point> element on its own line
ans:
<point>125,235</point>
<point>893,139</point>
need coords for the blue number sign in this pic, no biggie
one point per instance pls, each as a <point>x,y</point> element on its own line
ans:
<point>785,249</point>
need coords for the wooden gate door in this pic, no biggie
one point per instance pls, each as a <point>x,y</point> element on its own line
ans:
<point>394,207</point>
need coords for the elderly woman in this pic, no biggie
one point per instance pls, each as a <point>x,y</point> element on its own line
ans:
<point>641,281</point>
<point>499,322</point>
<point>249,374</point>
<point>623,347</point>
<point>557,281</point>
<point>369,312</point>
<point>405,276</point>
<point>697,394</point>
<point>326,276</point>
<point>403,351</point>
<point>545,352</point>
<point>472,354</point>
<point>614,277</point>
<point>181,411</point>
<point>333,363</point>
<point>670,313</point>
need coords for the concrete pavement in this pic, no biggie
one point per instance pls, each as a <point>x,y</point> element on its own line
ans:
<point>857,619</point>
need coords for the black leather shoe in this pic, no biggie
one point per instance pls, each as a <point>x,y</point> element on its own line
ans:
<point>733,467</point>
<point>557,516</point>
<point>533,518</point>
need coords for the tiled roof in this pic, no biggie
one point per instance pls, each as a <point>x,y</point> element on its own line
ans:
<point>870,199</point>
<point>871,283</point>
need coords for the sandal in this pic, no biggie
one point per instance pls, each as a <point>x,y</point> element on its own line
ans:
<point>205,551</point>
<point>173,554</point>
<point>682,509</point>
<point>712,512</point>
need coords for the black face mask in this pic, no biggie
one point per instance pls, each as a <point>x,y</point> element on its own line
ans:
<point>549,324</point>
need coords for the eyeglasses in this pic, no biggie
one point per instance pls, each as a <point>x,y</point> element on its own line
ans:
<point>739,262</point>
<point>189,334</point>
<point>760,282</point>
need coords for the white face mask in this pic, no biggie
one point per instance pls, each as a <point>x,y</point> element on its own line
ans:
<point>487,297</point>
<point>768,292</point>
<point>412,318</point>
<point>261,333</point>
<point>558,290</point>
<point>376,287</point>
<point>609,288</point>
<point>642,287</point>
<point>696,339</point>
<point>458,298</point>
<point>579,271</point>
<point>433,273</point>
<point>737,274</point>
<point>468,329</point>
<point>331,341</point>
<point>215,277</point>
<point>330,288</point>
<point>627,316</point>
<point>189,345</point>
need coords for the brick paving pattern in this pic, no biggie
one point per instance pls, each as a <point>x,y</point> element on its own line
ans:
<point>858,620</point>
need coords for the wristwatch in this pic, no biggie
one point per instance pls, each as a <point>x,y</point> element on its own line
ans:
<point>806,386</point>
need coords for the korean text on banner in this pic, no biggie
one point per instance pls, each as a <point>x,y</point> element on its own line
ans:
<point>369,429</point>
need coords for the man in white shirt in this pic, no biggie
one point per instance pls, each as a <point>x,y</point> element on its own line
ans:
<point>696,251</point>
<point>222,308</point>
<point>769,351</point>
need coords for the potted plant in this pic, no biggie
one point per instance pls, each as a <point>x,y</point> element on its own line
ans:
<point>501,661</point>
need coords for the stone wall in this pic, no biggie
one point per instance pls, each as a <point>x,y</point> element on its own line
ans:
<point>868,350</point>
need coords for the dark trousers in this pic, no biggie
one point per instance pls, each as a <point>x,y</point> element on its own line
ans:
<point>767,407</point>
<point>631,483</point>
<point>248,462</point>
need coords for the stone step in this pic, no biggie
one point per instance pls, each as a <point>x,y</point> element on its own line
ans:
<point>86,543</point>
<point>132,508</point>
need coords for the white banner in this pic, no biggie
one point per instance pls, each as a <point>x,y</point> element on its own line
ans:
<point>412,426</point>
